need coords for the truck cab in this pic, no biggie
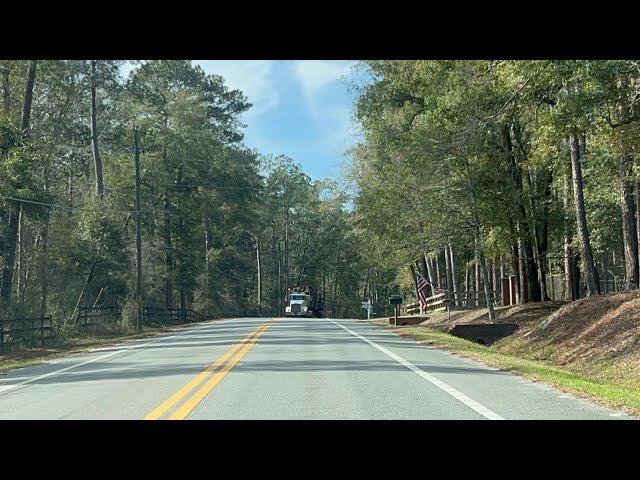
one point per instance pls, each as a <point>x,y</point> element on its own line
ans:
<point>298,305</point>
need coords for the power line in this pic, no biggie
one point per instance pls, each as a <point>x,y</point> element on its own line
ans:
<point>68,207</point>
<point>228,275</point>
<point>77,208</point>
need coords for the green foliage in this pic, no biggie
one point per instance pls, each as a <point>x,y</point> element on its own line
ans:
<point>208,202</point>
<point>464,152</point>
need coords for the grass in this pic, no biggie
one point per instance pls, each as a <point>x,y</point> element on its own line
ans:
<point>36,356</point>
<point>597,381</point>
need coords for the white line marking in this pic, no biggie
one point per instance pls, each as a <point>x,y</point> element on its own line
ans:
<point>616,414</point>
<point>472,404</point>
<point>6,388</point>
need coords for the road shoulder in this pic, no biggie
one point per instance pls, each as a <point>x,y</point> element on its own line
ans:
<point>38,356</point>
<point>604,393</point>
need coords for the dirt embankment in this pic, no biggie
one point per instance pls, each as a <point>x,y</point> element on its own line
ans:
<point>605,329</point>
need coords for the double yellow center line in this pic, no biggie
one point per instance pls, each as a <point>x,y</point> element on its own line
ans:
<point>213,374</point>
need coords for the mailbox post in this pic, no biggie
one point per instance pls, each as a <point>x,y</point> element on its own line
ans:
<point>368,307</point>
<point>447,302</point>
<point>396,301</point>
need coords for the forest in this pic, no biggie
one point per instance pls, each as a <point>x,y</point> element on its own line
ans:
<point>471,171</point>
<point>468,171</point>
<point>225,230</point>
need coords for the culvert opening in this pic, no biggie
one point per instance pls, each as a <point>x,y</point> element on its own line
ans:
<point>480,341</point>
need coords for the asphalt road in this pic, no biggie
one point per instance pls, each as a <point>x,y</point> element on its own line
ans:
<point>290,368</point>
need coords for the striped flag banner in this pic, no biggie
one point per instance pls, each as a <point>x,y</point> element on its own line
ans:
<point>422,285</point>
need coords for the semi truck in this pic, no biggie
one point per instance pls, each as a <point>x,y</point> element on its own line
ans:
<point>304,303</point>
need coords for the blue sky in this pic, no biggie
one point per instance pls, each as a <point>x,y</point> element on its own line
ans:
<point>301,108</point>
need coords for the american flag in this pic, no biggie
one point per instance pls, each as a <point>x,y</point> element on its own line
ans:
<point>422,284</point>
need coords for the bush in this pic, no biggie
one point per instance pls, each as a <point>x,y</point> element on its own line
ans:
<point>129,314</point>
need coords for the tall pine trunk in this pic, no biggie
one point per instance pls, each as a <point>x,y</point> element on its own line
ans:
<point>485,283</point>
<point>423,267</point>
<point>14,207</point>
<point>515,265</point>
<point>19,270</point>
<point>97,161</point>
<point>447,269</point>
<point>569,260</point>
<point>259,275</point>
<point>581,218</point>
<point>502,275</point>
<point>430,273</point>
<point>413,267</point>
<point>454,280</point>
<point>168,258</point>
<point>492,278</point>
<point>477,284</point>
<point>629,232</point>
<point>523,270</point>
<point>44,233</point>
<point>208,239</point>
<point>25,121</point>
<point>6,91</point>
<point>543,186</point>
<point>637,198</point>
<point>466,286</point>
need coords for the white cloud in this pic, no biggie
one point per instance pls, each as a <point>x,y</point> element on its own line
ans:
<point>253,77</point>
<point>316,74</point>
<point>327,102</point>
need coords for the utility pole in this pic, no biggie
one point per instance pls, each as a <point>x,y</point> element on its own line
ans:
<point>139,320</point>
<point>255,238</point>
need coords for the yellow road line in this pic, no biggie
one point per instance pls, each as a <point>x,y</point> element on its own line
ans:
<point>193,401</point>
<point>198,379</point>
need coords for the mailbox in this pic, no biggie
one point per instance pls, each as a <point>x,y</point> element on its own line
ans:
<point>395,300</point>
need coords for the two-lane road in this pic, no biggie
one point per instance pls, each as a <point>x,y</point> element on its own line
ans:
<point>288,368</point>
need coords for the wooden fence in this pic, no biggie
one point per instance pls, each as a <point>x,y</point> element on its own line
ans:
<point>93,318</point>
<point>25,331</point>
<point>90,318</point>
<point>35,331</point>
<point>172,316</point>
<point>434,304</point>
<point>440,301</point>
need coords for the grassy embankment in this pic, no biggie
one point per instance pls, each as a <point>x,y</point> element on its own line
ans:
<point>587,348</point>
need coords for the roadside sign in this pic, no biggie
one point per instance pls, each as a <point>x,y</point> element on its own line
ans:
<point>368,307</point>
<point>395,300</point>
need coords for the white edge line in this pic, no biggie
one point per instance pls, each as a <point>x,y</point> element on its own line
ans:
<point>472,404</point>
<point>7,388</point>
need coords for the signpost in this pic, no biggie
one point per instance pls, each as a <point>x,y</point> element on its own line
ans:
<point>368,307</point>
<point>447,302</point>
<point>395,300</point>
